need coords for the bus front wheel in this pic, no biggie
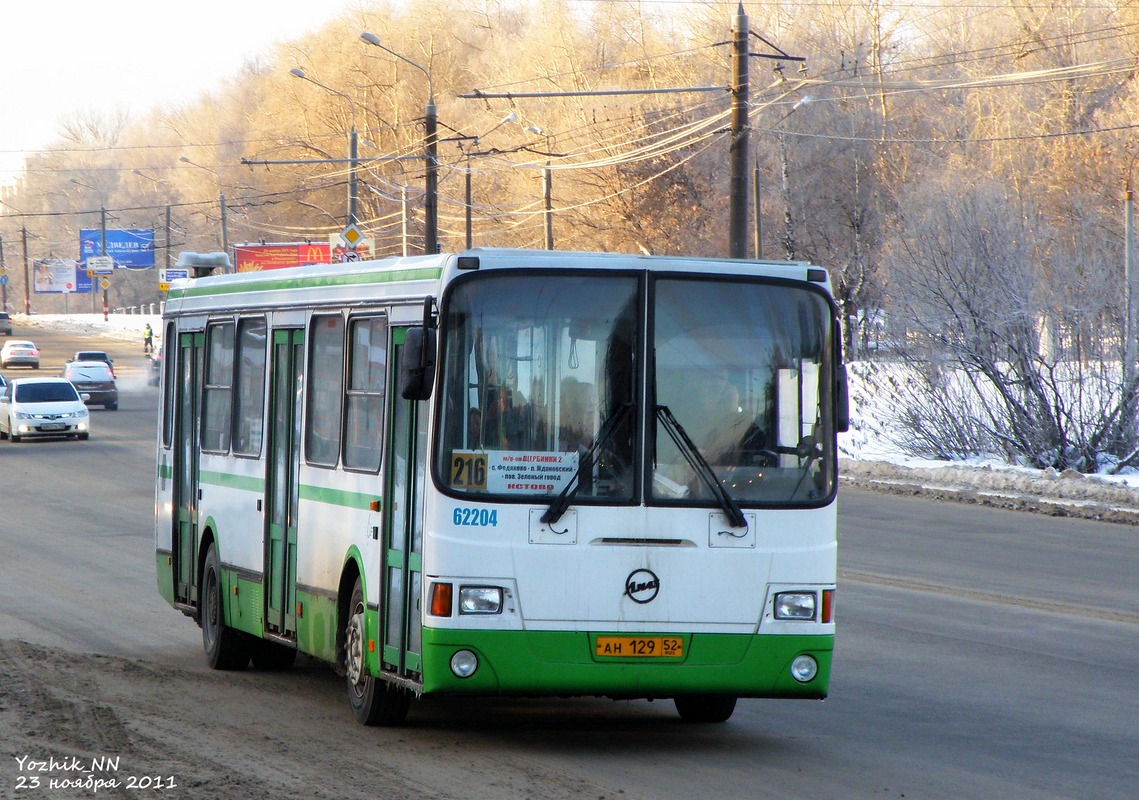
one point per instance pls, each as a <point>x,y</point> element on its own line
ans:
<point>225,648</point>
<point>373,701</point>
<point>705,707</point>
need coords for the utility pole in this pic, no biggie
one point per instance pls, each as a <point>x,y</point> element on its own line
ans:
<point>1128,278</point>
<point>547,195</point>
<point>103,250</point>
<point>27,282</point>
<point>431,201</point>
<point>3,279</point>
<point>738,149</point>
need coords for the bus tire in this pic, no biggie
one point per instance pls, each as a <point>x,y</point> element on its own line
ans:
<point>225,648</point>
<point>373,701</point>
<point>705,707</point>
<point>272,657</point>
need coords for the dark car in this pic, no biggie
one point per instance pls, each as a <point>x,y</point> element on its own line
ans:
<point>95,381</point>
<point>5,324</point>
<point>94,355</point>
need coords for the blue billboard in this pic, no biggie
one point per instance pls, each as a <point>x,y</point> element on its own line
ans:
<point>131,249</point>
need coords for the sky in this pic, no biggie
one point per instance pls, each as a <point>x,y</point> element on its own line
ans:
<point>60,57</point>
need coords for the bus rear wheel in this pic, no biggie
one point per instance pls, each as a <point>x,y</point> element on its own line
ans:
<point>705,707</point>
<point>225,648</point>
<point>373,701</point>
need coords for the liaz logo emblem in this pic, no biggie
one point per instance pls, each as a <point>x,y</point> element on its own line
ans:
<point>642,586</point>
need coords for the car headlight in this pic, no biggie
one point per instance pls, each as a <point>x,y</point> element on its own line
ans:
<point>23,415</point>
<point>795,605</point>
<point>480,600</point>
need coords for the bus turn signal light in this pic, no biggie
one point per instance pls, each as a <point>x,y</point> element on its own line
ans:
<point>441,599</point>
<point>828,606</point>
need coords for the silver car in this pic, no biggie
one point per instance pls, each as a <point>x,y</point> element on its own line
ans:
<point>42,407</point>
<point>18,351</point>
<point>95,380</point>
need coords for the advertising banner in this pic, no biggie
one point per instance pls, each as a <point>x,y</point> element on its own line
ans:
<point>131,249</point>
<point>55,276</point>
<point>256,257</point>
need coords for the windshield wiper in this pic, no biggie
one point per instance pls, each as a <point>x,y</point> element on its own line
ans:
<point>701,466</point>
<point>563,500</point>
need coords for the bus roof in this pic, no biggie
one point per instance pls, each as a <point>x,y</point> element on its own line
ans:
<point>413,277</point>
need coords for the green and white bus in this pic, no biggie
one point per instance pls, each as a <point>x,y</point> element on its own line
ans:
<point>508,472</point>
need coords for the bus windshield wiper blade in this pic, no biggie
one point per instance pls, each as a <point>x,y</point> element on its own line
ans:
<point>701,466</point>
<point>562,501</point>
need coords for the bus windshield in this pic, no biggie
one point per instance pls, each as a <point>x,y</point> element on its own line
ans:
<point>533,367</point>
<point>542,385</point>
<point>739,367</point>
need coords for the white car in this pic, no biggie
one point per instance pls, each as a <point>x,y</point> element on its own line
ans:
<point>18,351</point>
<point>42,407</point>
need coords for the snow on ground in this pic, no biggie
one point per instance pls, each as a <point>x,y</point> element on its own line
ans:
<point>867,458</point>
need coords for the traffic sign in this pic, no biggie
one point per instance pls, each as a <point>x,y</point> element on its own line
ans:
<point>105,283</point>
<point>351,235</point>
<point>100,265</point>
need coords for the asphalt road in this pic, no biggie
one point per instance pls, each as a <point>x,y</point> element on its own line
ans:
<point>981,654</point>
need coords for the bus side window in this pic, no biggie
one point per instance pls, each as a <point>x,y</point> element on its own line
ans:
<point>217,400</point>
<point>367,381</point>
<point>325,389</point>
<point>250,386</point>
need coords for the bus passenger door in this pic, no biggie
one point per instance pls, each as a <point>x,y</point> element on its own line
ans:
<point>191,362</point>
<point>286,378</point>
<point>403,537</point>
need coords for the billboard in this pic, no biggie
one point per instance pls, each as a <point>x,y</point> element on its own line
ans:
<point>131,249</point>
<point>256,257</point>
<point>55,276</point>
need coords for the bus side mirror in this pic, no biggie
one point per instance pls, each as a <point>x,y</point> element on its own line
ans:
<point>842,402</point>
<point>417,364</point>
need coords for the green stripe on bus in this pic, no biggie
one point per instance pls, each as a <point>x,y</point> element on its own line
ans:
<point>231,481</point>
<point>337,497</point>
<point>312,282</point>
<point>319,494</point>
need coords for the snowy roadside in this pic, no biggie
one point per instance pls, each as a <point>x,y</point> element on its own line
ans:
<point>1058,494</point>
<point>868,460</point>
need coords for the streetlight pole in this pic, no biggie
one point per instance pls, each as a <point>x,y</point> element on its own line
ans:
<point>353,144</point>
<point>1129,344</point>
<point>430,150</point>
<point>737,220</point>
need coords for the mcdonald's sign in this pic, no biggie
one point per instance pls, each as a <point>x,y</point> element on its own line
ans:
<point>256,257</point>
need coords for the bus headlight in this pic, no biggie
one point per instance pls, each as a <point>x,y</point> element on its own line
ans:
<point>804,669</point>
<point>795,605</point>
<point>464,663</point>
<point>480,600</point>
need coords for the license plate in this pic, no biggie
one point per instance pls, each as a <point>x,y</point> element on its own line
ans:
<point>53,426</point>
<point>639,647</point>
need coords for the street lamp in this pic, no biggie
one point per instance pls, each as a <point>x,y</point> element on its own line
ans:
<point>221,202</point>
<point>430,147</point>
<point>353,145</point>
<point>547,188</point>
